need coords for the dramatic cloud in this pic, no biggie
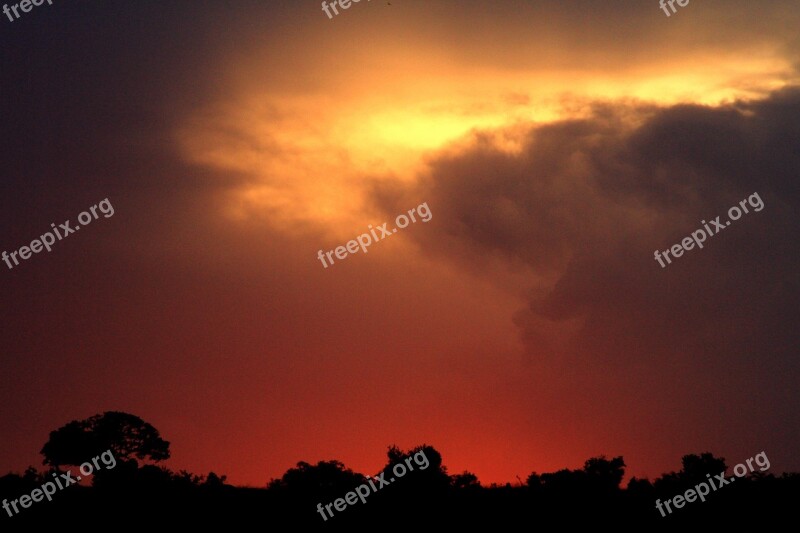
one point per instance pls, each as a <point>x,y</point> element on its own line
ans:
<point>526,326</point>
<point>583,206</point>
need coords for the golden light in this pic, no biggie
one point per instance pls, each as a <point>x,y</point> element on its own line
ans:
<point>309,158</point>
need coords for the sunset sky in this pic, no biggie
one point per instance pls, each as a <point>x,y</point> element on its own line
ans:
<point>525,327</point>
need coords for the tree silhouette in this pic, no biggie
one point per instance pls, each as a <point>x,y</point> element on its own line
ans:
<point>605,474</point>
<point>534,481</point>
<point>695,468</point>
<point>465,480</point>
<point>127,436</point>
<point>325,477</point>
<point>433,476</point>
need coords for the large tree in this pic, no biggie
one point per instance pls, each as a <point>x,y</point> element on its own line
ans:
<point>126,435</point>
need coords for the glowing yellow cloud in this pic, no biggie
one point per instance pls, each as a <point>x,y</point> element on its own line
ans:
<point>308,159</point>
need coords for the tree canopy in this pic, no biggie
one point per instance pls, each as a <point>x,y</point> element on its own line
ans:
<point>126,435</point>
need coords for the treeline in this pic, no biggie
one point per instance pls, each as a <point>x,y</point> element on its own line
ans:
<point>137,492</point>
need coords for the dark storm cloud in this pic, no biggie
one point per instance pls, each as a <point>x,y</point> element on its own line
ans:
<point>583,206</point>
<point>587,202</point>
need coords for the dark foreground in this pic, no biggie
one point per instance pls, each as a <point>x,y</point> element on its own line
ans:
<point>132,497</point>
